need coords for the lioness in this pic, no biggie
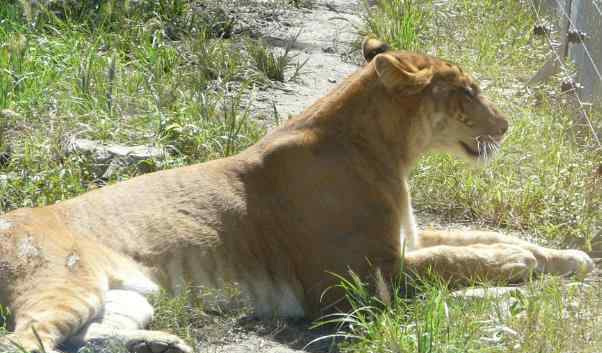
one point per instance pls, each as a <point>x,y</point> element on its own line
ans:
<point>325,193</point>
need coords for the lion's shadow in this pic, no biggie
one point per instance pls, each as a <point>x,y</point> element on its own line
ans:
<point>296,334</point>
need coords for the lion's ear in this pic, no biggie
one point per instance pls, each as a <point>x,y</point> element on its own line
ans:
<point>400,75</point>
<point>371,47</point>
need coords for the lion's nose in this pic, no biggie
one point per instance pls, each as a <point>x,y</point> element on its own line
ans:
<point>499,121</point>
<point>502,126</point>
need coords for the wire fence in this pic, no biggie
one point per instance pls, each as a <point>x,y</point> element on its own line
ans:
<point>573,29</point>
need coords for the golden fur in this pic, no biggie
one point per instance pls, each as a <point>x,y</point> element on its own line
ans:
<point>326,192</point>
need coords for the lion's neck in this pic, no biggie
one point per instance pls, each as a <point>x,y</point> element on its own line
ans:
<point>361,114</point>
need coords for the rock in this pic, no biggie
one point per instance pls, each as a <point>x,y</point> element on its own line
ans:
<point>487,292</point>
<point>106,151</point>
<point>498,334</point>
<point>505,298</point>
<point>4,156</point>
<point>322,32</point>
<point>5,178</point>
<point>9,114</point>
<point>99,346</point>
<point>110,158</point>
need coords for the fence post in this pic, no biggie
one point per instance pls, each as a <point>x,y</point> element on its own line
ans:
<point>587,55</point>
<point>577,16</point>
<point>557,58</point>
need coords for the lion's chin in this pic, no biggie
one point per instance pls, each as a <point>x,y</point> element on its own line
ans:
<point>469,151</point>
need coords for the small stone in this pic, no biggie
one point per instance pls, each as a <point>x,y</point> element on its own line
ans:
<point>4,157</point>
<point>109,158</point>
<point>5,225</point>
<point>489,292</point>
<point>27,248</point>
<point>9,114</point>
<point>72,261</point>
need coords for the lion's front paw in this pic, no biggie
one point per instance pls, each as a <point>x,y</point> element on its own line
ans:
<point>569,261</point>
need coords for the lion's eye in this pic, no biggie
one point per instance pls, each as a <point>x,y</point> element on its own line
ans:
<point>468,92</point>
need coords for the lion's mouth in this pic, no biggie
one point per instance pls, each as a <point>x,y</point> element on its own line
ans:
<point>470,151</point>
<point>484,149</point>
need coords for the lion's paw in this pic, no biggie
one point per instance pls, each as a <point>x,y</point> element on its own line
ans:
<point>157,342</point>
<point>14,343</point>
<point>512,262</point>
<point>570,261</point>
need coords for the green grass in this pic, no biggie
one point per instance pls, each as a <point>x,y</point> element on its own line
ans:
<point>160,73</point>
<point>398,22</point>
<point>199,315</point>
<point>275,65</point>
<point>155,74</point>
<point>546,317</point>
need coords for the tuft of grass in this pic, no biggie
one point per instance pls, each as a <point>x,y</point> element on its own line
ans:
<point>275,64</point>
<point>398,22</point>
<point>4,317</point>
<point>199,314</point>
<point>307,4</point>
<point>545,317</point>
<point>177,314</point>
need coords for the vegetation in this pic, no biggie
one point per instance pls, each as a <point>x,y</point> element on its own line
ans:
<point>546,316</point>
<point>275,65</point>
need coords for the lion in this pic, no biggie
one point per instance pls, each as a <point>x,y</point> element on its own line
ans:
<point>325,193</point>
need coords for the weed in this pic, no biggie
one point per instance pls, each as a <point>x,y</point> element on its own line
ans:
<point>397,22</point>
<point>301,3</point>
<point>177,314</point>
<point>273,64</point>
<point>544,315</point>
<point>199,314</point>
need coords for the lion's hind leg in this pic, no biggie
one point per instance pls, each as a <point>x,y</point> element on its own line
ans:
<point>45,317</point>
<point>122,323</point>
<point>549,260</point>
<point>462,265</point>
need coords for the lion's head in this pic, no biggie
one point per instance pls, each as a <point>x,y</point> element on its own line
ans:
<point>460,119</point>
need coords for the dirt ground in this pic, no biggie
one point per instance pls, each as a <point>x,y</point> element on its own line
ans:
<point>323,36</point>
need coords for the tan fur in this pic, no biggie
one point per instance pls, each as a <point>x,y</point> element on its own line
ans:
<point>327,192</point>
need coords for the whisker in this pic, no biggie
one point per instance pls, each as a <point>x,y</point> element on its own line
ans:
<point>486,147</point>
